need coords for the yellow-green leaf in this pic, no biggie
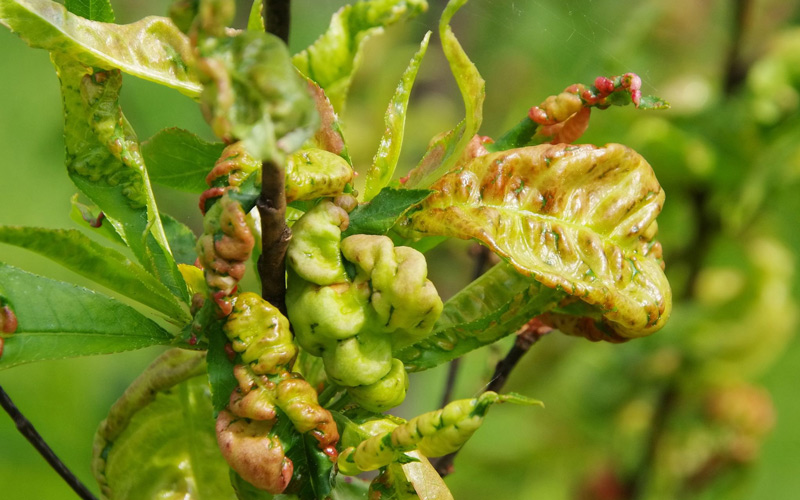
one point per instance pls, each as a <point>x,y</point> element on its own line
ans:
<point>580,219</point>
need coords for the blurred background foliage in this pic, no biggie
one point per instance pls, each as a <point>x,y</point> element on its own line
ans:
<point>706,408</point>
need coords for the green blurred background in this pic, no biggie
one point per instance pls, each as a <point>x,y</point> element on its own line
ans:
<point>727,154</point>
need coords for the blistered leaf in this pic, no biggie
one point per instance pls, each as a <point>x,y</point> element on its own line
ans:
<point>253,93</point>
<point>59,320</point>
<point>329,134</point>
<point>179,159</point>
<point>100,264</point>
<point>379,215</point>
<point>158,440</point>
<point>385,160</point>
<point>443,152</point>
<point>313,173</point>
<point>488,309</point>
<point>96,10</point>
<point>104,161</point>
<point>333,58</point>
<point>580,219</point>
<point>152,49</point>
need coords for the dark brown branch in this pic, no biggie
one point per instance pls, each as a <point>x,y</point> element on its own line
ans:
<point>735,67</point>
<point>275,234</point>
<point>277,15</point>
<point>637,484</point>
<point>529,335</point>
<point>26,428</point>
<point>481,255</point>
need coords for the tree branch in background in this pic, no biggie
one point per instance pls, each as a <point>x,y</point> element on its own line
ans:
<point>481,255</point>
<point>275,234</point>
<point>277,16</point>
<point>26,428</point>
<point>735,68</point>
<point>529,335</point>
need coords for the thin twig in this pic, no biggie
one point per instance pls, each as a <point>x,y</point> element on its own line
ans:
<point>735,67</point>
<point>26,428</point>
<point>529,335</point>
<point>275,234</point>
<point>277,15</point>
<point>481,259</point>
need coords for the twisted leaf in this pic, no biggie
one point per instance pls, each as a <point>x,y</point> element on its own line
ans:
<point>152,49</point>
<point>333,58</point>
<point>385,160</point>
<point>579,219</point>
<point>162,429</point>
<point>445,150</point>
<point>57,320</point>
<point>103,265</point>
<point>104,161</point>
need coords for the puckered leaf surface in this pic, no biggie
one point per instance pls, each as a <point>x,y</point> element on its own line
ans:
<point>580,219</point>
<point>104,161</point>
<point>59,320</point>
<point>152,49</point>
<point>333,58</point>
<point>163,429</point>
<point>102,265</point>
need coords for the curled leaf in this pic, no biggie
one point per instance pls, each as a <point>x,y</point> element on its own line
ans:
<point>580,219</point>
<point>152,49</point>
<point>314,173</point>
<point>333,58</point>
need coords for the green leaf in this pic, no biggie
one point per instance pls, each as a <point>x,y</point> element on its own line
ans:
<point>254,94</point>
<point>95,10</point>
<point>220,366</point>
<point>89,216</point>
<point>179,159</point>
<point>59,320</point>
<point>385,160</point>
<point>329,134</point>
<point>104,162</point>
<point>159,439</point>
<point>334,57</point>
<point>181,240</point>
<point>313,469</point>
<point>100,264</point>
<point>255,21</point>
<point>379,215</point>
<point>575,218</point>
<point>152,49</point>
<point>349,488</point>
<point>312,173</point>
<point>444,152</point>
<point>495,305</point>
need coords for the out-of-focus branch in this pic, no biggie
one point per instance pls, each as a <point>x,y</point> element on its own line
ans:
<point>25,427</point>
<point>277,16</point>
<point>529,335</point>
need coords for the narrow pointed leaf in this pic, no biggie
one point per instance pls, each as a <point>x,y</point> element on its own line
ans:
<point>59,320</point>
<point>163,429</point>
<point>385,160</point>
<point>329,135</point>
<point>334,57</point>
<point>104,162</point>
<point>495,305</point>
<point>152,49</point>
<point>103,265</point>
<point>95,10</point>
<point>580,219</point>
<point>179,159</point>
<point>379,215</point>
<point>443,153</point>
<point>255,21</point>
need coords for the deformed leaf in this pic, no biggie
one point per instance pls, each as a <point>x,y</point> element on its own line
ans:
<point>179,159</point>
<point>329,134</point>
<point>102,265</point>
<point>313,173</point>
<point>104,161</point>
<point>379,215</point>
<point>96,10</point>
<point>579,219</point>
<point>333,58</point>
<point>152,49</point>
<point>162,428</point>
<point>385,160</point>
<point>253,93</point>
<point>445,150</point>
<point>59,320</point>
<point>495,305</point>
